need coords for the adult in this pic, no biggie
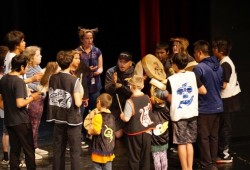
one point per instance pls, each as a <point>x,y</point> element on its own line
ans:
<point>92,57</point>
<point>115,84</point>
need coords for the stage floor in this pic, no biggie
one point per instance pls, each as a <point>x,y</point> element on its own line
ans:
<point>240,148</point>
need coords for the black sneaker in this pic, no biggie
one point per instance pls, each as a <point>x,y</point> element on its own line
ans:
<point>224,160</point>
<point>208,167</point>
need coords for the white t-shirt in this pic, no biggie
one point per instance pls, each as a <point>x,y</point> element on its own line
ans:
<point>7,62</point>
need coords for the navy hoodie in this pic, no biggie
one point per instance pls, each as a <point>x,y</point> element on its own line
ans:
<point>210,73</point>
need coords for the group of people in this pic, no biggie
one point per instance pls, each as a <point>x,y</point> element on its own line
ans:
<point>209,124</point>
<point>195,107</point>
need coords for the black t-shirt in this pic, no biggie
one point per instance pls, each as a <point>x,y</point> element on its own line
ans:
<point>11,88</point>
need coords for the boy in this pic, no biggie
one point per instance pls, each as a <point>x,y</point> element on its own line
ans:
<point>14,98</point>
<point>103,131</point>
<point>210,73</point>
<point>183,88</point>
<point>64,101</point>
<point>138,115</point>
<point>230,95</point>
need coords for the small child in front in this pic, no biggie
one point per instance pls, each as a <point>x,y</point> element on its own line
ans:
<point>103,131</point>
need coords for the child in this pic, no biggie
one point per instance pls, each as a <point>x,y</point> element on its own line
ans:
<point>230,95</point>
<point>5,137</point>
<point>82,71</point>
<point>183,88</point>
<point>103,131</point>
<point>14,97</point>
<point>160,135</point>
<point>64,101</point>
<point>51,68</point>
<point>35,109</point>
<point>138,115</point>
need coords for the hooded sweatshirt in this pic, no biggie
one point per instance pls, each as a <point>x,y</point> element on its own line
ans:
<point>210,73</point>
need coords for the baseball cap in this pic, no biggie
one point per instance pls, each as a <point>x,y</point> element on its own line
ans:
<point>125,56</point>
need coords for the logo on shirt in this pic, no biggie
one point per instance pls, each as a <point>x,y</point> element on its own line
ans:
<point>60,98</point>
<point>160,128</point>
<point>145,119</point>
<point>108,133</point>
<point>185,91</point>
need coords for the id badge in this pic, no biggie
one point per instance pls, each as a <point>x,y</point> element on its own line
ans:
<point>92,80</point>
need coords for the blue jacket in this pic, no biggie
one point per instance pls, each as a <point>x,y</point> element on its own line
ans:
<point>210,73</point>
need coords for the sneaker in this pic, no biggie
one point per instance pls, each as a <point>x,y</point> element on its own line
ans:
<point>208,167</point>
<point>83,142</point>
<point>84,146</point>
<point>224,160</point>
<point>173,149</point>
<point>41,151</point>
<point>22,164</point>
<point>38,156</point>
<point>4,162</point>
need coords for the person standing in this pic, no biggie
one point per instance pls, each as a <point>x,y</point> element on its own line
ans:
<point>92,57</point>
<point>35,109</point>
<point>139,117</point>
<point>5,136</point>
<point>162,53</point>
<point>183,88</point>
<point>103,131</point>
<point>79,69</point>
<point>64,101</point>
<point>116,84</point>
<point>160,135</point>
<point>230,95</point>
<point>16,44</point>
<point>15,100</point>
<point>210,73</point>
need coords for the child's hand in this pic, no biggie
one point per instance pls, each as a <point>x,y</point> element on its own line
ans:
<point>36,95</point>
<point>122,115</point>
<point>86,103</point>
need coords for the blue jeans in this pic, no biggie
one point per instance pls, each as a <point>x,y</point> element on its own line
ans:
<point>100,166</point>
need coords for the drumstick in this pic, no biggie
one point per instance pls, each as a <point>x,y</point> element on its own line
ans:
<point>119,102</point>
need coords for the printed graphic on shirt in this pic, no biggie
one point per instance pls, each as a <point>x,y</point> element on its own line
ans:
<point>60,98</point>
<point>145,119</point>
<point>108,133</point>
<point>160,128</point>
<point>185,91</point>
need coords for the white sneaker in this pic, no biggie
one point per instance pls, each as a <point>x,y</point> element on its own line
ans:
<point>85,146</point>
<point>38,156</point>
<point>41,151</point>
<point>22,164</point>
<point>4,162</point>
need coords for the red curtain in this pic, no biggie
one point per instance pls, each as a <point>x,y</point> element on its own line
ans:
<point>149,25</point>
